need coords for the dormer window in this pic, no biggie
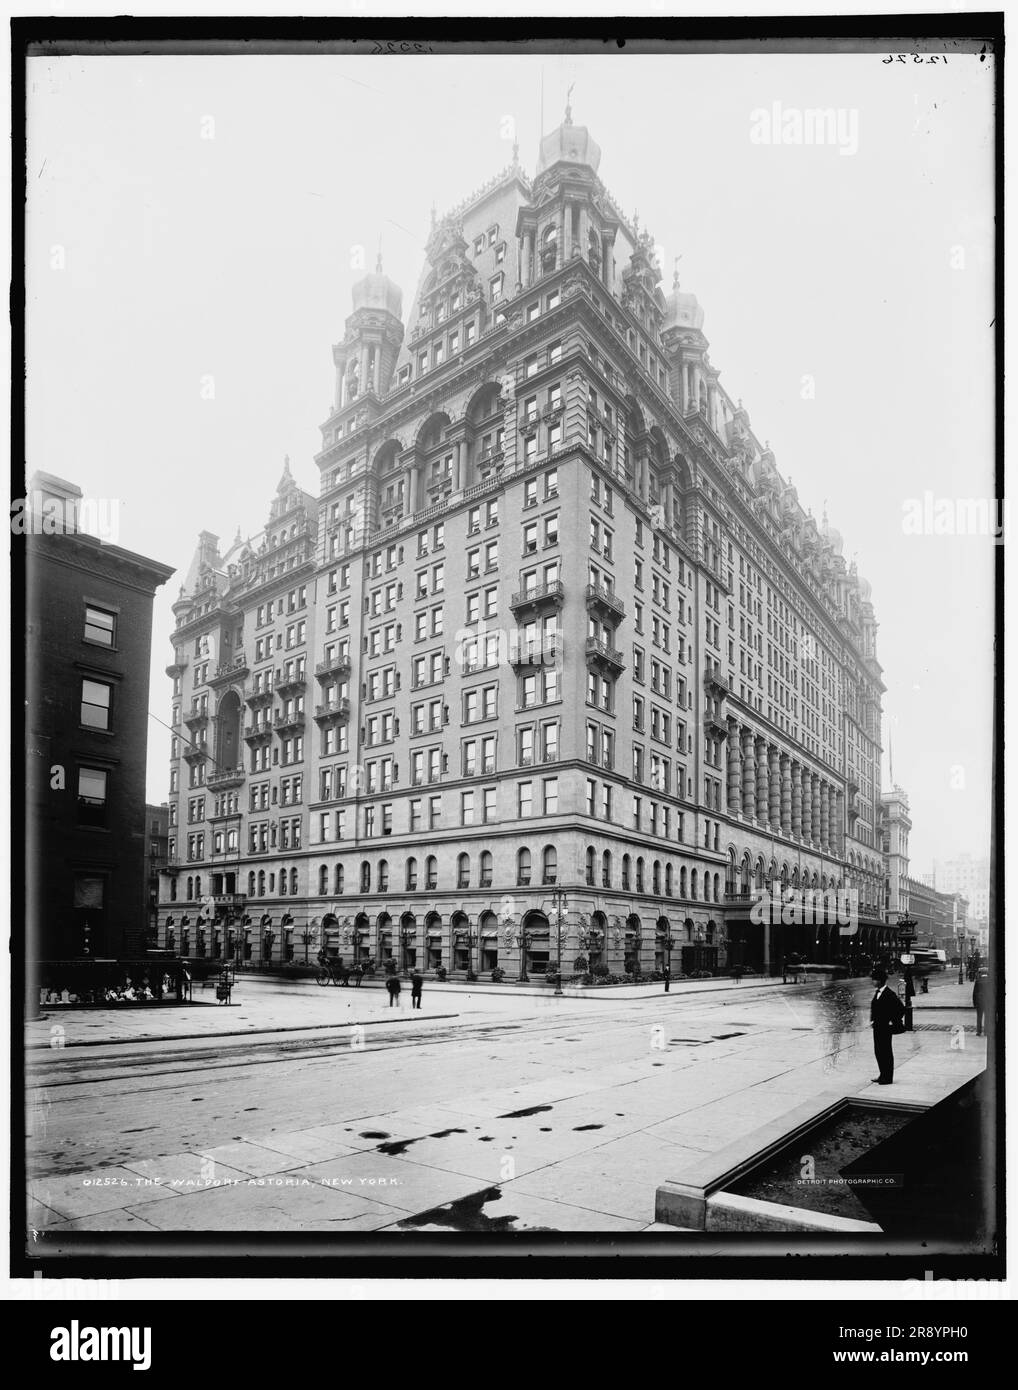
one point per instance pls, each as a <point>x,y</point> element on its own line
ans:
<point>478,245</point>
<point>442,314</point>
<point>454,302</point>
<point>495,284</point>
<point>500,253</point>
<point>492,235</point>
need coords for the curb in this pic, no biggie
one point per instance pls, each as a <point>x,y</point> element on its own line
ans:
<point>230,1033</point>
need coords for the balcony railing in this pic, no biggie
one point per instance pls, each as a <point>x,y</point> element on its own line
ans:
<point>288,683</point>
<point>603,599</point>
<point>225,777</point>
<point>543,652</point>
<point>235,669</point>
<point>337,666</point>
<point>197,719</point>
<point>257,732</point>
<point>257,698</point>
<point>605,655</point>
<point>332,713</point>
<point>196,752</point>
<point>294,719</point>
<point>539,596</point>
<point>716,681</point>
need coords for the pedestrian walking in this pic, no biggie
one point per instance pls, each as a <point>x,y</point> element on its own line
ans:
<point>416,989</point>
<point>980,995</point>
<point>836,1015</point>
<point>887,1017</point>
<point>392,984</point>
<point>668,977</point>
<point>358,973</point>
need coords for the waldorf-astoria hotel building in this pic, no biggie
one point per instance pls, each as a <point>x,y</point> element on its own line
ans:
<point>551,658</point>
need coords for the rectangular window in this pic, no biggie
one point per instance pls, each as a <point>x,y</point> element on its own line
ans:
<point>96,701</point>
<point>100,626</point>
<point>92,794</point>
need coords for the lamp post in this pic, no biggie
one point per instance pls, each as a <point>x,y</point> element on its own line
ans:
<point>405,934</point>
<point>669,945</point>
<point>906,935</point>
<point>961,957</point>
<point>471,940</point>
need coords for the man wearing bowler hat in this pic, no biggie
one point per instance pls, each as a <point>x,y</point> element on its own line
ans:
<point>887,1017</point>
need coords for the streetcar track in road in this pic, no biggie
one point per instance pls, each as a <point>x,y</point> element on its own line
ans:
<point>192,1064</point>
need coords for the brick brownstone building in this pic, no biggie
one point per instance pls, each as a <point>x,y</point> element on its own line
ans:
<point>89,631</point>
<point>551,623</point>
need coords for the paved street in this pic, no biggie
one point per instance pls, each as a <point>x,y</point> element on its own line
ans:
<point>306,1109</point>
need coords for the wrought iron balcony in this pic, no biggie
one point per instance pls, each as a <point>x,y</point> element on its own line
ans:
<point>603,601</point>
<point>257,698</point>
<point>714,680</point>
<point>542,652</point>
<point>334,713</point>
<point>235,669</point>
<point>197,719</point>
<point>225,777</point>
<point>294,719</point>
<point>336,666</point>
<point>601,654</point>
<point>196,752</point>
<point>257,733</point>
<point>540,596</point>
<point>287,685</point>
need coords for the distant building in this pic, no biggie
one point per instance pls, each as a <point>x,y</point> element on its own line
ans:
<point>89,611</point>
<point>551,620</point>
<point>936,916</point>
<point>895,825</point>
<point>157,826</point>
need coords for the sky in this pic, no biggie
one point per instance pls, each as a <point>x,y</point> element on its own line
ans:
<point>204,218</point>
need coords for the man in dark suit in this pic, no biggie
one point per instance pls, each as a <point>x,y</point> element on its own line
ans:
<point>886,1014</point>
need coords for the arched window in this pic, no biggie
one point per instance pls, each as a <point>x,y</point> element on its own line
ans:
<point>411,875</point>
<point>323,880</point>
<point>383,875</point>
<point>261,883</point>
<point>626,868</point>
<point>669,884</point>
<point>463,871</point>
<point>190,889</point>
<point>173,889</point>
<point>523,867</point>
<point>293,883</point>
<point>591,860</point>
<point>251,884</point>
<point>549,249</point>
<point>197,885</point>
<point>606,869</point>
<point>282,883</point>
<point>639,875</point>
<point>717,887</point>
<point>431,872</point>
<point>486,868</point>
<point>683,885</point>
<point>692,885</point>
<point>657,878</point>
<point>549,865</point>
<point>338,888</point>
<point>365,876</point>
